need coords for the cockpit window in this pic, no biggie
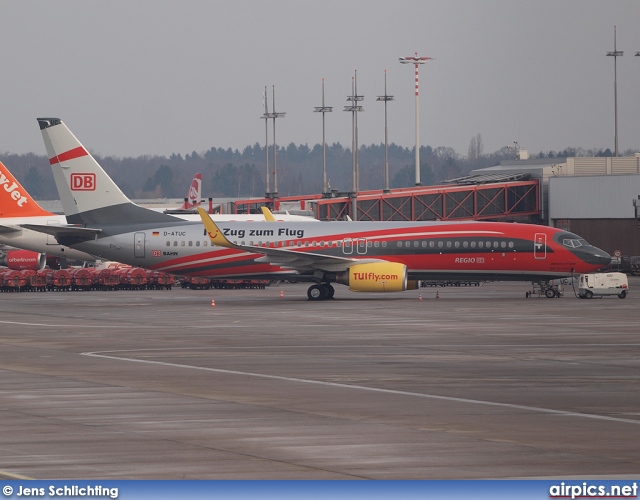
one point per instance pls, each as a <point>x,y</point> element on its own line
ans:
<point>574,242</point>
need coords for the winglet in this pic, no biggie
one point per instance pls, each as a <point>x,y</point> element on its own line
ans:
<point>14,199</point>
<point>215,235</point>
<point>268,216</point>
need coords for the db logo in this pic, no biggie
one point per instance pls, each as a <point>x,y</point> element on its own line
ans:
<point>156,253</point>
<point>83,182</point>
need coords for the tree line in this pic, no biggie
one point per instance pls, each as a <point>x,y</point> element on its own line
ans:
<point>238,174</point>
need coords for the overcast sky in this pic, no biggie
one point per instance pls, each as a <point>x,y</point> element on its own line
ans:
<point>132,77</point>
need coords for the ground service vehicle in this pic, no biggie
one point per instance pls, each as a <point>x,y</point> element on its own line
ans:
<point>601,284</point>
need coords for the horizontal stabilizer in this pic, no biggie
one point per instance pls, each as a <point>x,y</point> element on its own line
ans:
<point>66,235</point>
<point>9,229</point>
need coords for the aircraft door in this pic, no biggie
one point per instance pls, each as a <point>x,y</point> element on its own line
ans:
<point>347,246</point>
<point>138,244</point>
<point>361,247</point>
<point>540,246</point>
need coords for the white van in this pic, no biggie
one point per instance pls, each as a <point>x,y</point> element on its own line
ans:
<point>603,284</point>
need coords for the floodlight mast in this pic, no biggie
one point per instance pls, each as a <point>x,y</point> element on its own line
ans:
<point>265,116</point>
<point>354,108</point>
<point>416,61</point>
<point>386,98</point>
<point>323,109</point>
<point>615,54</point>
<point>275,115</point>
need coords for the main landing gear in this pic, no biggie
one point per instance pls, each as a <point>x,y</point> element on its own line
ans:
<point>320,291</point>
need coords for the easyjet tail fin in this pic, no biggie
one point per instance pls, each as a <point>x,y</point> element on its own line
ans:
<point>14,199</point>
<point>88,194</point>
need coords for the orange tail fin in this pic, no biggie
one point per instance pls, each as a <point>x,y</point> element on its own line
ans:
<point>14,199</point>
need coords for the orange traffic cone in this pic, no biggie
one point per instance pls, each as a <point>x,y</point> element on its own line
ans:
<point>437,295</point>
<point>420,297</point>
<point>281,294</point>
<point>213,303</point>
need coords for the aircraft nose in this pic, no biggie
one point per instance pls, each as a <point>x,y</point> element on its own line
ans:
<point>596,256</point>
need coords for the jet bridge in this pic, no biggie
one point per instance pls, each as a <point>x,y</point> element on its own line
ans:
<point>510,200</point>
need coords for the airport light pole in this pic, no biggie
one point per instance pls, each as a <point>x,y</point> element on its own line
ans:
<point>386,98</point>
<point>416,61</point>
<point>323,109</point>
<point>266,117</point>
<point>275,115</point>
<point>615,54</point>
<point>354,108</point>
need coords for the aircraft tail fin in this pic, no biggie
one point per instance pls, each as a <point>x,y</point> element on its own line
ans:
<point>194,196</point>
<point>88,194</point>
<point>14,199</point>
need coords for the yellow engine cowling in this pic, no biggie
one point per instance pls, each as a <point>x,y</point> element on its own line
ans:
<point>376,277</point>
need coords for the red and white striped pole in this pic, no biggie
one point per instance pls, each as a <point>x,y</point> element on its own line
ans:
<point>418,183</point>
<point>416,61</point>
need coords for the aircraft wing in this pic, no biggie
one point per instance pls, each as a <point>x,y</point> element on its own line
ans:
<point>9,229</point>
<point>300,261</point>
<point>66,235</point>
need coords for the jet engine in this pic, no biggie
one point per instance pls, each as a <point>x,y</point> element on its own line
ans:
<point>377,277</point>
<point>19,260</point>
